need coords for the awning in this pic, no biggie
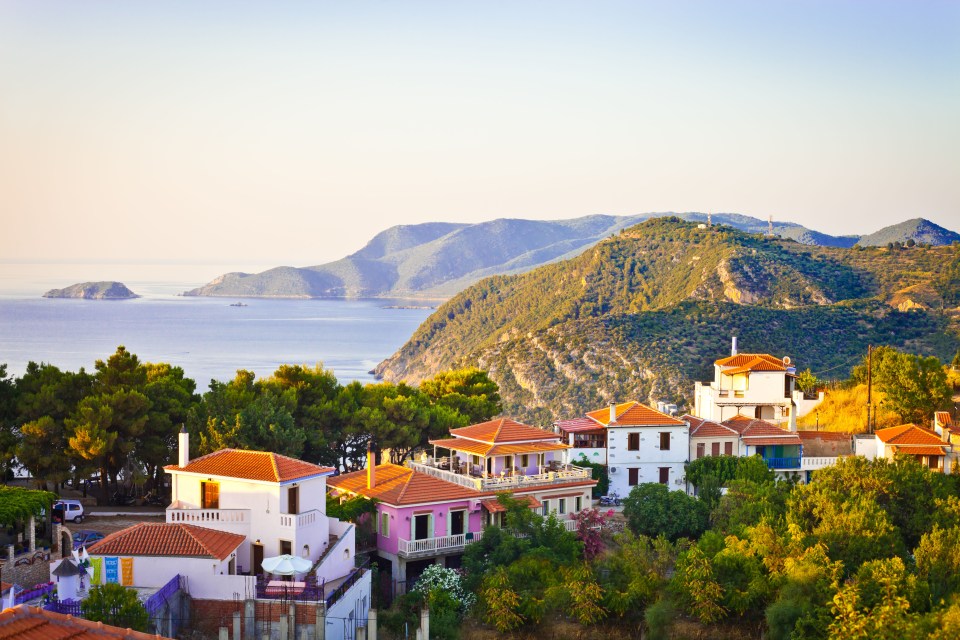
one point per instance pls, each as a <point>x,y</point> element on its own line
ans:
<point>494,506</point>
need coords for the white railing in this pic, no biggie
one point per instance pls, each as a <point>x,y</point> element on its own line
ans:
<point>811,463</point>
<point>433,545</point>
<point>566,473</point>
<point>300,520</point>
<point>209,516</point>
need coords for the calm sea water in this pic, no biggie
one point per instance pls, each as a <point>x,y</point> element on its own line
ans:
<point>206,336</point>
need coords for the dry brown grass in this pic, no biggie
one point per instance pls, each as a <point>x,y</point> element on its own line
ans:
<point>683,629</point>
<point>845,410</point>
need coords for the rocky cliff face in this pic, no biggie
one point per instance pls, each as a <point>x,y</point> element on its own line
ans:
<point>93,291</point>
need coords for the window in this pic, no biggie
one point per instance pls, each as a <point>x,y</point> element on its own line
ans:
<point>546,508</point>
<point>475,460</point>
<point>525,461</point>
<point>385,525</point>
<point>508,463</point>
<point>578,502</point>
<point>728,448</point>
<point>541,459</point>
<point>562,506</point>
<point>293,500</point>
<point>701,449</point>
<point>633,477</point>
<point>664,475</point>
<point>210,495</point>
<point>633,442</point>
<point>286,548</point>
<point>715,449</point>
<point>665,440</point>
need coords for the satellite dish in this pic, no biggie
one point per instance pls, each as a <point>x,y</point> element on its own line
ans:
<point>786,360</point>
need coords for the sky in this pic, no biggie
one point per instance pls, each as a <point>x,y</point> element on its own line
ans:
<point>292,132</point>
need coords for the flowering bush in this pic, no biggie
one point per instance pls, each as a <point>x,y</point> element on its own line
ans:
<point>449,581</point>
<point>589,524</point>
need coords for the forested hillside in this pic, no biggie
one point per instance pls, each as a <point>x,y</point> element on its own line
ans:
<point>644,313</point>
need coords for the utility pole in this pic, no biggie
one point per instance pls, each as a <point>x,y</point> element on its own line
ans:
<point>869,386</point>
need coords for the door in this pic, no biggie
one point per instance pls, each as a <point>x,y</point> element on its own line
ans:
<point>664,475</point>
<point>421,526</point>
<point>210,495</point>
<point>456,522</point>
<point>293,500</point>
<point>257,552</point>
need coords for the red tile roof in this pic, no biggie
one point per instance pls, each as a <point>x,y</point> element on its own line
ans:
<point>908,434</point>
<point>252,465</point>
<point>396,485</point>
<point>32,623</point>
<point>700,428</point>
<point>487,449</point>
<point>168,539</point>
<point>503,430</point>
<point>578,424</point>
<point>760,432</point>
<point>742,359</point>
<point>634,414</point>
<point>943,418</point>
<point>918,450</point>
<point>494,506</point>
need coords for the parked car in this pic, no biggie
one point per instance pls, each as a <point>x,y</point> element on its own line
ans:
<point>64,510</point>
<point>85,538</point>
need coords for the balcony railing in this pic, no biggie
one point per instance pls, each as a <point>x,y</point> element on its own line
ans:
<point>812,463</point>
<point>430,546</point>
<point>299,520</point>
<point>209,516</point>
<point>782,463</point>
<point>563,473</point>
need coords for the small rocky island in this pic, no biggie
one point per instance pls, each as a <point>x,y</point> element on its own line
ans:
<point>94,291</point>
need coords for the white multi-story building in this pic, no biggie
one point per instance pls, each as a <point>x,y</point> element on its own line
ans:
<point>756,385</point>
<point>642,445</point>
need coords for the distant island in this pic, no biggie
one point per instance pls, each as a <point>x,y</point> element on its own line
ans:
<point>94,291</point>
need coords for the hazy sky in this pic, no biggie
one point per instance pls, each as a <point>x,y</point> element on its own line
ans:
<point>294,131</point>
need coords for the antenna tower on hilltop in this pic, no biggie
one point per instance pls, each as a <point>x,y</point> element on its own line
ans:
<point>770,226</point>
<point>709,219</point>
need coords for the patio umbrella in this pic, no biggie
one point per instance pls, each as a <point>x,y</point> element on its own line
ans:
<point>286,565</point>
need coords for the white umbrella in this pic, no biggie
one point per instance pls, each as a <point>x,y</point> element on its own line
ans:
<point>286,565</point>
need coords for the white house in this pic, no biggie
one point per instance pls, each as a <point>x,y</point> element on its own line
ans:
<point>757,385</point>
<point>643,445</point>
<point>926,446</point>
<point>708,438</point>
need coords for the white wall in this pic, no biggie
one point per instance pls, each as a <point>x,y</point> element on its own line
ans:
<point>341,560</point>
<point>649,458</point>
<point>156,571</point>
<point>355,602</point>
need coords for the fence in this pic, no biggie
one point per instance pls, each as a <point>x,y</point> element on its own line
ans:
<point>155,602</point>
<point>36,592</point>
<point>67,607</point>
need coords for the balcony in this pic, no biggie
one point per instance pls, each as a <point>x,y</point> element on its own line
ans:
<point>782,463</point>
<point>213,518</point>
<point>562,473</point>
<point>812,463</point>
<point>428,547</point>
<point>300,520</point>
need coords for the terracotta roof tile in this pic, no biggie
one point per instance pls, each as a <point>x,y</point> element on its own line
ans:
<point>918,450</point>
<point>578,424</point>
<point>494,506</point>
<point>908,434</point>
<point>742,359</point>
<point>751,430</point>
<point>700,428</point>
<point>252,465</point>
<point>398,485</point>
<point>168,539</point>
<point>943,418</point>
<point>486,449</point>
<point>634,414</point>
<point>32,623</point>
<point>503,430</point>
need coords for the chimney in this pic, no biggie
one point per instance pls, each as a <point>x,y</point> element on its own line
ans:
<point>184,441</point>
<point>613,412</point>
<point>733,346</point>
<point>371,467</point>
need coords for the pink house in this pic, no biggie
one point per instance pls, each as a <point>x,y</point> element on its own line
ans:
<point>428,511</point>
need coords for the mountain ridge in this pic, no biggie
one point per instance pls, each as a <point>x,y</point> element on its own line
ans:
<point>644,313</point>
<point>438,259</point>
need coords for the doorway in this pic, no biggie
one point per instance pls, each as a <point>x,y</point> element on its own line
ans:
<point>457,521</point>
<point>421,526</point>
<point>257,556</point>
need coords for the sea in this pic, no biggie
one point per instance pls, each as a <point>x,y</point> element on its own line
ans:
<point>209,338</point>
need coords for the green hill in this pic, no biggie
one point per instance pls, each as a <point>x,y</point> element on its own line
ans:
<point>645,313</point>
<point>917,229</point>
